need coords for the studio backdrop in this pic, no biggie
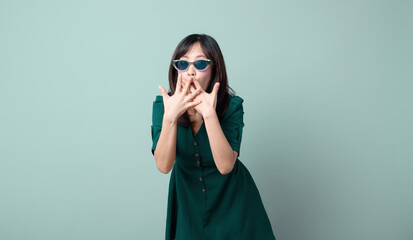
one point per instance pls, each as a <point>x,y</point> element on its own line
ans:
<point>327,89</point>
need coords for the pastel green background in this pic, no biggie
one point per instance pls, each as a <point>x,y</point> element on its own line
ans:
<point>326,84</point>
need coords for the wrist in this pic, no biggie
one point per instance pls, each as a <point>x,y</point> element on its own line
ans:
<point>211,113</point>
<point>170,120</point>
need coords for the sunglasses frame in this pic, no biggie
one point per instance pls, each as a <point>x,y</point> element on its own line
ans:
<point>189,63</point>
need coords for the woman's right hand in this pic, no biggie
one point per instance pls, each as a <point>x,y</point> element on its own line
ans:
<point>177,104</point>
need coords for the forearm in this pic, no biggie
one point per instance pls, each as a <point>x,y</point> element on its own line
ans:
<point>222,152</point>
<point>166,147</point>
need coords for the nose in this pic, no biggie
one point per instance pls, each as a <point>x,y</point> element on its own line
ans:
<point>191,71</point>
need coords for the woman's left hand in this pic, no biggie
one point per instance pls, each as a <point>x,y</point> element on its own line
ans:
<point>208,100</point>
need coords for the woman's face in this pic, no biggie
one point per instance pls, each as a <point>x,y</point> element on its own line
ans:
<point>203,77</point>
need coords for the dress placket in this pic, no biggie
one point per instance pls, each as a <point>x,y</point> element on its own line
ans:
<point>198,161</point>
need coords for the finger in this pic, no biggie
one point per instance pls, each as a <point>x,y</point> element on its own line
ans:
<point>215,90</point>
<point>163,92</point>
<point>193,104</point>
<point>192,88</point>
<point>186,87</point>
<point>197,84</point>
<point>178,83</point>
<point>192,95</point>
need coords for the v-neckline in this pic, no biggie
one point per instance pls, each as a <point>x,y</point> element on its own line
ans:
<point>199,129</point>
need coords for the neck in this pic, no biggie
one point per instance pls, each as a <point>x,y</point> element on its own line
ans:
<point>193,114</point>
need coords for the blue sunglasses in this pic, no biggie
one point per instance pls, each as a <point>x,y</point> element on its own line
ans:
<point>182,65</point>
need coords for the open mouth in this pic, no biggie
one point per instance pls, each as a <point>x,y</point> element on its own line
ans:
<point>184,82</point>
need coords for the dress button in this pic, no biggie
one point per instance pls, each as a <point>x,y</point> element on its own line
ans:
<point>196,154</point>
<point>195,143</point>
<point>203,190</point>
<point>200,179</point>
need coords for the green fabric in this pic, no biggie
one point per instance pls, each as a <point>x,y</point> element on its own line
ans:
<point>203,204</point>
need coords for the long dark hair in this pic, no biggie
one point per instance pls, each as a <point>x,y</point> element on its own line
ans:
<point>219,74</point>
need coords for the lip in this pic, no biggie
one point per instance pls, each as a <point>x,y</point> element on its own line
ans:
<point>184,81</point>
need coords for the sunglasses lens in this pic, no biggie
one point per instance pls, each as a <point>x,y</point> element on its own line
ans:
<point>201,64</point>
<point>181,65</point>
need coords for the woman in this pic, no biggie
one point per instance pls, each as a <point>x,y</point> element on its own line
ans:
<point>196,132</point>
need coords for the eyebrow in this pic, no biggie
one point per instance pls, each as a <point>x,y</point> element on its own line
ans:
<point>195,57</point>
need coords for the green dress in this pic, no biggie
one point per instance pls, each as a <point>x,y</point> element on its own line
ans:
<point>203,204</point>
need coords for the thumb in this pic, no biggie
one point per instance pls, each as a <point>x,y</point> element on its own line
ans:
<point>163,92</point>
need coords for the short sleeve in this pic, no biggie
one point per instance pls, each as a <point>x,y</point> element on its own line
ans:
<point>233,123</point>
<point>157,118</point>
